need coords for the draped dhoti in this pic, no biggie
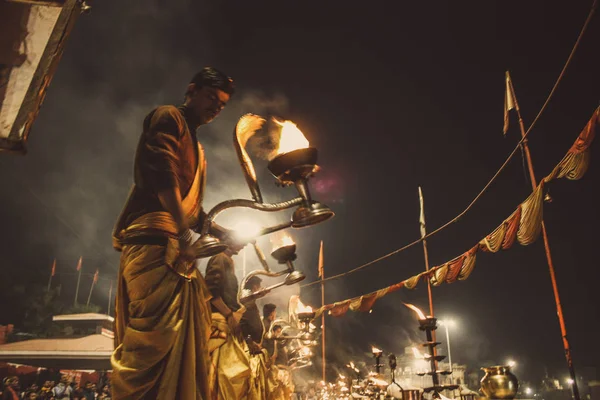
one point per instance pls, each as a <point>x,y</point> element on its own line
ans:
<point>162,329</point>
<point>259,378</point>
<point>230,372</point>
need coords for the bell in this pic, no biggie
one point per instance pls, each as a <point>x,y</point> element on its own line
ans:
<point>548,198</point>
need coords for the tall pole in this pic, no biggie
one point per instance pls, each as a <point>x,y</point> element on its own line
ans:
<point>92,288</point>
<point>78,281</point>
<point>51,275</point>
<point>559,311</point>
<point>426,255</point>
<point>109,297</point>
<point>322,274</point>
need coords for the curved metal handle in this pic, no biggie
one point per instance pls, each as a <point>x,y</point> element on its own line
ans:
<point>260,272</point>
<point>268,207</point>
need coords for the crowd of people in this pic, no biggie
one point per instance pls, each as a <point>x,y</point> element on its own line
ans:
<point>65,389</point>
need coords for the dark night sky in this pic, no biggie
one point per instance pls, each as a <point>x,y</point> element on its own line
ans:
<point>393,98</point>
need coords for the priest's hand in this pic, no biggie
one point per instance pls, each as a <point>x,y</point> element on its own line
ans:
<point>233,320</point>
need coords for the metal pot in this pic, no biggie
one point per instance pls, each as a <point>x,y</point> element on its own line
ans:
<point>499,383</point>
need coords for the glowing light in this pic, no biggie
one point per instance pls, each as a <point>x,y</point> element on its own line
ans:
<point>450,323</point>
<point>246,230</point>
<point>291,138</point>
<point>376,351</point>
<point>528,390</point>
<point>415,309</point>
<point>511,363</point>
<point>301,308</point>
<point>417,353</point>
<point>352,366</point>
<point>570,381</point>
<point>281,241</point>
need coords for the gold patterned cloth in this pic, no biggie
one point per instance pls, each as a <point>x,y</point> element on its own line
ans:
<point>259,376</point>
<point>230,371</point>
<point>162,330</point>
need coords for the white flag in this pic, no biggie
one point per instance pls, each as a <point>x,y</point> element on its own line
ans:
<point>422,215</point>
<point>509,101</point>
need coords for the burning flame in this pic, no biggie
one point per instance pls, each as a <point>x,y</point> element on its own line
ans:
<point>375,350</point>
<point>342,376</point>
<point>287,241</point>
<point>352,366</point>
<point>417,353</point>
<point>281,241</point>
<point>301,308</point>
<point>415,309</point>
<point>291,138</point>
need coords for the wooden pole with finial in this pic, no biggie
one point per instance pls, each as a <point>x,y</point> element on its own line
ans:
<point>78,280</point>
<point>92,287</point>
<point>109,297</point>
<point>52,272</point>
<point>423,230</point>
<point>511,99</point>
<point>323,344</point>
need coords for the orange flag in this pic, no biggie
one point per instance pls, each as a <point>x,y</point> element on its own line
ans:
<point>54,268</point>
<point>96,277</point>
<point>79,264</point>
<point>321,260</point>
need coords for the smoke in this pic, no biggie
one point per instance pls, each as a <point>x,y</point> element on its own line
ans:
<point>72,185</point>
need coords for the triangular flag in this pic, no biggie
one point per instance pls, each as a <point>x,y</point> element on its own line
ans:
<point>422,214</point>
<point>96,276</point>
<point>54,268</point>
<point>509,101</point>
<point>321,260</point>
<point>79,263</point>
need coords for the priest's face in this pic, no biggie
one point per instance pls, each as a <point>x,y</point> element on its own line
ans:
<point>206,103</point>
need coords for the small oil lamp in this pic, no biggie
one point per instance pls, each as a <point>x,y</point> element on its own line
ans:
<point>284,254</point>
<point>428,325</point>
<point>305,316</point>
<point>294,164</point>
<point>377,353</point>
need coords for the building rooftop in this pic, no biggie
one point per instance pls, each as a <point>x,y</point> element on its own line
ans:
<point>83,317</point>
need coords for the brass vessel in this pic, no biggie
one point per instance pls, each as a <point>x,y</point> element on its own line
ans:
<point>499,383</point>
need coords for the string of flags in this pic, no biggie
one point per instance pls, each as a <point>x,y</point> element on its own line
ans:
<point>523,225</point>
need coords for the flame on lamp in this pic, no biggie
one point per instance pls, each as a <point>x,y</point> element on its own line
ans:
<point>415,309</point>
<point>417,353</point>
<point>301,308</point>
<point>291,138</point>
<point>375,350</point>
<point>286,240</point>
<point>281,241</point>
<point>352,366</point>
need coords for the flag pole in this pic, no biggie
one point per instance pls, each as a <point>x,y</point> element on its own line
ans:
<point>92,288</point>
<point>559,311</point>
<point>322,274</point>
<point>78,282</point>
<point>51,275</point>
<point>425,252</point>
<point>423,230</point>
<point>109,297</point>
